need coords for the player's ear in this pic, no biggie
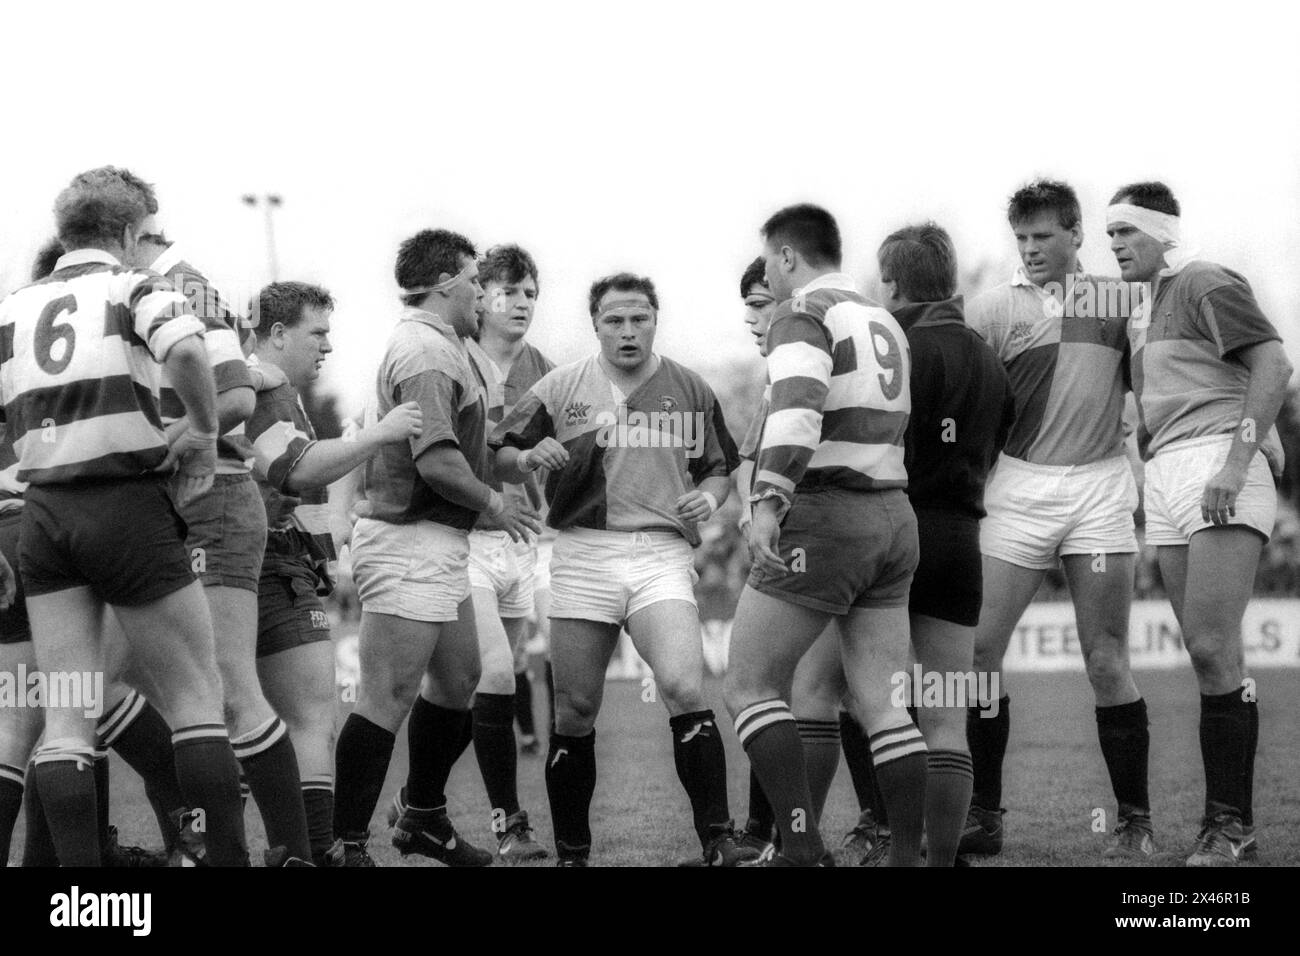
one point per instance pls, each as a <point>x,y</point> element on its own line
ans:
<point>1076,235</point>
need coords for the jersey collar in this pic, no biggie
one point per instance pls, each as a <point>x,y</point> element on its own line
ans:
<point>831,280</point>
<point>167,260</point>
<point>411,314</point>
<point>80,257</point>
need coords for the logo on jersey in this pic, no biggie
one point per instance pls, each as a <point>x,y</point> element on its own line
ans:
<point>1022,332</point>
<point>667,403</point>
<point>577,413</point>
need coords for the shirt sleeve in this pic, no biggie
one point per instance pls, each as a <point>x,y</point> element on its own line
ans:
<point>160,315</point>
<point>278,440</point>
<point>1232,318</point>
<point>528,422</point>
<point>438,395</point>
<point>754,436</point>
<point>981,315</point>
<point>719,457</point>
<point>799,366</point>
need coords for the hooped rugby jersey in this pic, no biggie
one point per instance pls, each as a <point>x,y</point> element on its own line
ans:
<point>1187,378</point>
<point>221,327</point>
<point>839,368</point>
<point>80,369</point>
<point>280,433</point>
<point>426,362</point>
<point>630,457</point>
<point>1066,361</point>
<point>502,395</point>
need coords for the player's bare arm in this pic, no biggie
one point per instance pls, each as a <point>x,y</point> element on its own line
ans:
<point>195,452</point>
<point>327,461</point>
<point>514,465</point>
<point>446,471</point>
<point>700,503</point>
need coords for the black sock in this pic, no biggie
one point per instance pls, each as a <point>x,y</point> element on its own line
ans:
<point>271,768</point>
<point>101,797</point>
<point>524,704</point>
<point>141,737</point>
<point>702,769</point>
<point>761,819</point>
<point>1125,742</point>
<point>1225,734</point>
<point>494,746</point>
<point>361,760</point>
<point>66,784</point>
<point>768,733</point>
<point>947,798</point>
<point>11,804</point>
<point>318,802</point>
<point>209,779</point>
<point>821,752</point>
<point>862,769</point>
<point>550,696</point>
<point>570,783</point>
<point>38,845</point>
<point>988,745</point>
<point>1252,744</point>
<point>436,737</point>
<point>902,769</point>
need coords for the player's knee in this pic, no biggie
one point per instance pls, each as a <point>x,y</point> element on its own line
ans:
<point>1107,666</point>
<point>682,693</point>
<point>1210,654</point>
<point>575,710</point>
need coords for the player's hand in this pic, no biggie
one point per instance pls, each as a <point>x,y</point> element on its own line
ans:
<point>765,538</point>
<point>746,523</point>
<point>361,508</point>
<point>518,522</point>
<point>194,459</point>
<point>279,508</point>
<point>486,522</point>
<point>272,377</point>
<point>547,453</point>
<point>175,430</point>
<point>8,584</point>
<point>1219,499</point>
<point>693,506</point>
<point>402,422</point>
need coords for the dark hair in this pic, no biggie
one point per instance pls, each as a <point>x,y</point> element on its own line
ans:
<point>621,282</point>
<point>810,230</point>
<point>922,261</point>
<point>427,255</point>
<point>46,258</point>
<point>284,302</point>
<point>1155,196</point>
<point>1045,195</point>
<point>755,274</point>
<point>99,203</point>
<point>506,264</point>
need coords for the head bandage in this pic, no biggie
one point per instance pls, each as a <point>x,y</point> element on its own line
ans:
<point>624,306</point>
<point>1160,226</point>
<point>441,286</point>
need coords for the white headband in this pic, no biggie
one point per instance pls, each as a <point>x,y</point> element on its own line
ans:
<point>1160,226</point>
<point>443,286</point>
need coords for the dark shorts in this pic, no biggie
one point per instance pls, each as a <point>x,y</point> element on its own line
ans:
<point>14,626</point>
<point>289,611</point>
<point>123,539</point>
<point>949,581</point>
<point>227,533</point>
<point>845,549</point>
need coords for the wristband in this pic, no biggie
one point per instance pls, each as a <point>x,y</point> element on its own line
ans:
<point>496,504</point>
<point>525,461</point>
<point>713,504</point>
<point>206,436</point>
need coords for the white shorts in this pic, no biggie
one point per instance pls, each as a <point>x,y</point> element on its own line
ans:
<point>417,571</point>
<point>610,575</point>
<point>505,568</point>
<point>1039,512</point>
<point>542,562</point>
<point>1175,482</point>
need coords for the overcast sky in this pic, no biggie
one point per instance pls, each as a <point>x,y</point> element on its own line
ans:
<point>654,137</point>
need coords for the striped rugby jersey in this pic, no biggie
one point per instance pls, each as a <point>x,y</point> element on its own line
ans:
<point>280,434</point>
<point>221,339</point>
<point>80,371</point>
<point>426,362</point>
<point>630,457</point>
<point>11,489</point>
<point>839,368</point>
<point>1187,378</point>
<point>1066,362</point>
<point>502,395</point>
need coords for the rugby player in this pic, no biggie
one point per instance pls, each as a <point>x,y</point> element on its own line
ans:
<point>962,412</point>
<point>639,454</point>
<point>80,356</point>
<point>295,657</point>
<point>1063,490</point>
<point>833,536</point>
<point>501,569</point>
<point>1209,374</point>
<point>418,644</point>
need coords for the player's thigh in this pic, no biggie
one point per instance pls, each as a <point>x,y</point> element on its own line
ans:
<point>580,655</point>
<point>768,637</point>
<point>20,725</point>
<point>1008,589</point>
<point>392,654</point>
<point>818,685</point>
<point>1101,587</point>
<point>947,649</point>
<point>1172,560</point>
<point>1221,566</point>
<point>495,656</point>
<point>234,623</point>
<point>300,684</point>
<point>875,647</point>
<point>454,668</point>
<point>66,640</point>
<point>667,636</point>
